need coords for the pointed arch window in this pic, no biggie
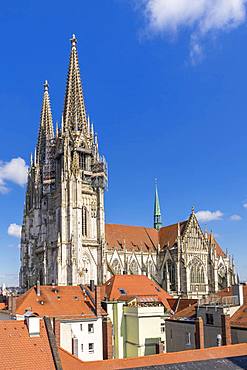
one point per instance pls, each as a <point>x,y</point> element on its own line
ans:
<point>134,267</point>
<point>116,268</point>
<point>84,221</point>
<point>197,273</point>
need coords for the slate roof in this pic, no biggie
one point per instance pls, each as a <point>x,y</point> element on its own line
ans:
<point>203,359</point>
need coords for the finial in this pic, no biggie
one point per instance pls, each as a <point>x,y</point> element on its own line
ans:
<point>193,210</point>
<point>57,130</point>
<point>73,40</point>
<point>46,85</point>
<point>35,157</point>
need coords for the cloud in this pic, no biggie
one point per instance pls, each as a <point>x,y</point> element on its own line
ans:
<point>14,171</point>
<point>14,230</point>
<point>200,17</point>
<point>235,218</point>
<point>245,205</point>
<point>206,216</point>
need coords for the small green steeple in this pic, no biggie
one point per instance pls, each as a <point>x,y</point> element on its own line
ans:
<point>157,212</point>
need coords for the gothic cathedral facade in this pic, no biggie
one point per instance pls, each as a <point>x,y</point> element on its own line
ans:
<point>65,240</point>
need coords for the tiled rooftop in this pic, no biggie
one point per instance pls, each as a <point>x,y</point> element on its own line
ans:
<point>19,351</point>
<point>126,286</point>
<point>55,301</point>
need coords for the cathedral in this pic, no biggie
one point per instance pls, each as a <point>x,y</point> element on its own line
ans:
<point>64,238</point>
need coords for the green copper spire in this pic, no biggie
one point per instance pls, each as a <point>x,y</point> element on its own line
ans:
<point>157,212</point>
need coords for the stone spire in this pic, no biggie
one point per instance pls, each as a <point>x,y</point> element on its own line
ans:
<point>74,114</point>
<point>157,212</point>
<point>46,128</point>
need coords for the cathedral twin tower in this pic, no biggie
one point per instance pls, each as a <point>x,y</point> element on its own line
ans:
<point>64,238</point>
<point>64,208</point>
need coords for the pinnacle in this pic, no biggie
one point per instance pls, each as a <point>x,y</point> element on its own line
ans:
<point>73,40</point>
<point>74,115</point>
<point>46,86</point>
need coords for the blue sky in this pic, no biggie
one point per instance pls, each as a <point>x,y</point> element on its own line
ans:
<point>166,90</point>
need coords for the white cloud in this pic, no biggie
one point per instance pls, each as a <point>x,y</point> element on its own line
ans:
<point>235,218</point>
<point>245,205</point>
<point>14,230</point>
<point>14,171</point>
<point>206,216</point>
<point>201,17</point>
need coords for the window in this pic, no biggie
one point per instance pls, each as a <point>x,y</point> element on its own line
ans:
<point>81,327</point>
<point>162,327</point>
<point>91,347</point>
<point>82,347</point>
<point>122,291</point>
<point>84,221</point>
<point>209,319</point>
<point>188,339</point>
<point>90,328</point>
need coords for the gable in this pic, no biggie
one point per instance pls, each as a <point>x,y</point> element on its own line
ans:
<point>168,234</point>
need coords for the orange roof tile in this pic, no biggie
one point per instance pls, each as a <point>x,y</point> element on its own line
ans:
<point>69,361</point>
<point>132,238</point>
<point>55,301</point>
<point>140,238</point>
<point>134,285</point>
<point>169,234</point>
<point>2,306</point>
<point>19,351</point>
<point>169,358</point>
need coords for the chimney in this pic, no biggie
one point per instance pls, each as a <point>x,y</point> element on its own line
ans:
<point>159,348</point>
<point>199,333</point>
<point>92,286</point>
<point>33,324</point>
<point>237,290</point>
<point>107,338</point>
<point>12,304</point>
<point>226,330</point>
<point>38,288</point>
<point>97,301</point>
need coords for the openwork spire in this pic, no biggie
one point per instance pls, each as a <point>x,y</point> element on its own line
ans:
<point>157,212</point>
<point>74,115</point>
<point>46,128</point>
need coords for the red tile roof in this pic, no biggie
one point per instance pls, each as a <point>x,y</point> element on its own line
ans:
<point>168,234</point>
<point>134,286</point>
<point>69,361</point>
<point>20,351</point>
<point>169,358</point>
<point>133,238</point>
<point>146,239</point>
<point>55,301</point>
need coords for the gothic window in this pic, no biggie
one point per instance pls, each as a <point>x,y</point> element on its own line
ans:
<point>172,274</point>
<point>84,221</point>
<point>133,267</point>
<point>116,268</point>
<point>197,273</point>
<point>222,280</point>
<point>151,268</point>
<point>82,161</point>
